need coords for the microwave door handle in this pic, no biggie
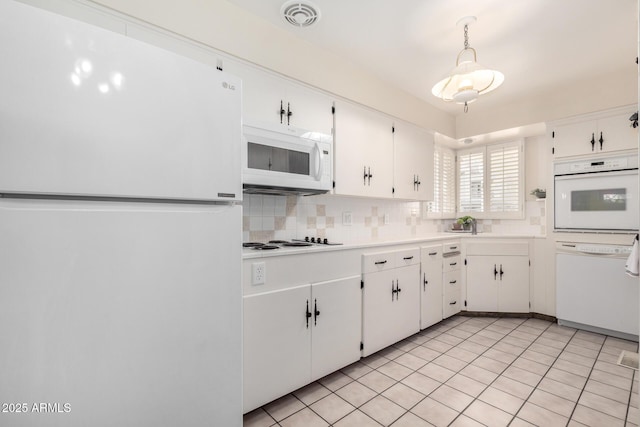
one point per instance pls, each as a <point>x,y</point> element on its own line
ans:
<point>318,162</point>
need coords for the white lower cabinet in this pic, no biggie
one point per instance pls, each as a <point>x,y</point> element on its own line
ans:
<point>391,298</point>
<point>498,281</point>
<point>296,335</point>
<point>431,287</point>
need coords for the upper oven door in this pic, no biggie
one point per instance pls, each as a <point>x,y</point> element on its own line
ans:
<point>602,201</point>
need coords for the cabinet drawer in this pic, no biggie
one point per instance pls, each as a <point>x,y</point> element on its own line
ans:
<point>451,280</point>
<point>453,246</point>
<point>451,305</point>
<point>451,263</point>
<point>431,253</point>
<point>407,257</point>
<point>379,261</point>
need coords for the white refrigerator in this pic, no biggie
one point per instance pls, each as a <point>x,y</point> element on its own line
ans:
<point>120,232</point>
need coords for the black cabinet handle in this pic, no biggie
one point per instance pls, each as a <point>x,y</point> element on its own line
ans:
<point>308,314</point>
<point>370,176</point>
<point>453,263</point>
<point>398,290</point>
<point>393,290</point>
<point>424,281</point>
<point>501,272</point>
<point>601,140</point>
<point>453,303</point>
<point>316,312</point>
<point>407,258</point>
<point>433,253</point>
<point>365,175</point>
<point>495,272</point>
<point>453,282</point>
<point>381,262</point>
<point>281,111</point>
<point>289,113</point>
<point>593,142</point>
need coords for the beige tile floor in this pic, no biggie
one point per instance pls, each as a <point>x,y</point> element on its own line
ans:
<point>473,371</point>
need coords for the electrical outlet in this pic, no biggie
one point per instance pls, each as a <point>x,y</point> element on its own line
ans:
<point>386,219</point>
<point>347,218</point>
<point>258,273</point>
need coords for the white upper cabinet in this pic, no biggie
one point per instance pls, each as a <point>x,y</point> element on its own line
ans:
<point>272,99</point>
<point>413,162</point>
<point>363,152</point>
<point>602,132</point>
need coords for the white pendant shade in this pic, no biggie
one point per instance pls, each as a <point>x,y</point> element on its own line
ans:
<point>468,79</point>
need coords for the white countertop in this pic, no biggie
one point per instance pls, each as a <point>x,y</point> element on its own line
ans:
<point>249,253</point>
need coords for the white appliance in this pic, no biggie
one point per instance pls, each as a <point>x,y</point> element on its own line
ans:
<point>593,290</point>
<point>120,242</point>
<point>598,194</point>
<point>289,160</point>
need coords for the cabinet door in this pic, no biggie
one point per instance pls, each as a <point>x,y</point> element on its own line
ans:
<point>363,145</point>
<point>261,93</point>
<point>413,163</point>
<point>277,340</point>
<point>406,307</point>
<point>617,133</point>
<point>378,326</point>
<point>337,325</point>
<point>574,139</point>
<point>310,110</point>
<point>431,286</point>
<point>513,288</point>
<point>483,279</point>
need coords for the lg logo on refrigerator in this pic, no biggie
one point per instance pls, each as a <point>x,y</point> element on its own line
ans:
<point>228,86</point>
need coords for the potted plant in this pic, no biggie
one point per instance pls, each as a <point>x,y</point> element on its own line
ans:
<point>540,193</point>
<point>465,221</point>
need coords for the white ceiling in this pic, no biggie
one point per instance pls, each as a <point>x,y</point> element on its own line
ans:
<point>412,44</point>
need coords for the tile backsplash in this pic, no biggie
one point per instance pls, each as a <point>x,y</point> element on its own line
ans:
<point>267,217</point>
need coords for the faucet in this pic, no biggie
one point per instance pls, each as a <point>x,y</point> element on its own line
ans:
<point>474,226</point>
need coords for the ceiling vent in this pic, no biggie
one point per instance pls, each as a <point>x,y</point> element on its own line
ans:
<point>300,14</point>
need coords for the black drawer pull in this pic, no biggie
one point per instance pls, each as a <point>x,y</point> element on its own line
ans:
<point>381,262</point>
<point>407,258</point>
<point>452,281</point>
<point>453,263</point>
<point>433,253</point>
<point>453,303</point>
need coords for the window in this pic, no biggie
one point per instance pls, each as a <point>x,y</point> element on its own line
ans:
<point>491,181</point>
<point>443,204</point>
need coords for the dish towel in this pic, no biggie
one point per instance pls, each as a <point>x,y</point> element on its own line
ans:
<point>632,268</point>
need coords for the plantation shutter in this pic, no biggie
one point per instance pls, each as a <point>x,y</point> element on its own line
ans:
<point>443,204</point>
<point>505,177</point>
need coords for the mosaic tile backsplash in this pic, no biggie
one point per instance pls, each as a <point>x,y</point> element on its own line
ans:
<point>267,217</point>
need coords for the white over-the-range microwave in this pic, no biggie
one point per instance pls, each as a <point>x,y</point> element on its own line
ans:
<point>286,160</point>
<point>597,194</point>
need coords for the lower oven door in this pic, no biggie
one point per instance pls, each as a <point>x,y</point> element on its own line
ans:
<point>606,201</point>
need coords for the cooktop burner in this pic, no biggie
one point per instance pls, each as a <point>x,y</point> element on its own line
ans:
<point>252,244</point>
<point>266,247</point>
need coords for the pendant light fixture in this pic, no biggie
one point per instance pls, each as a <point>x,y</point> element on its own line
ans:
<point>468,79</point>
